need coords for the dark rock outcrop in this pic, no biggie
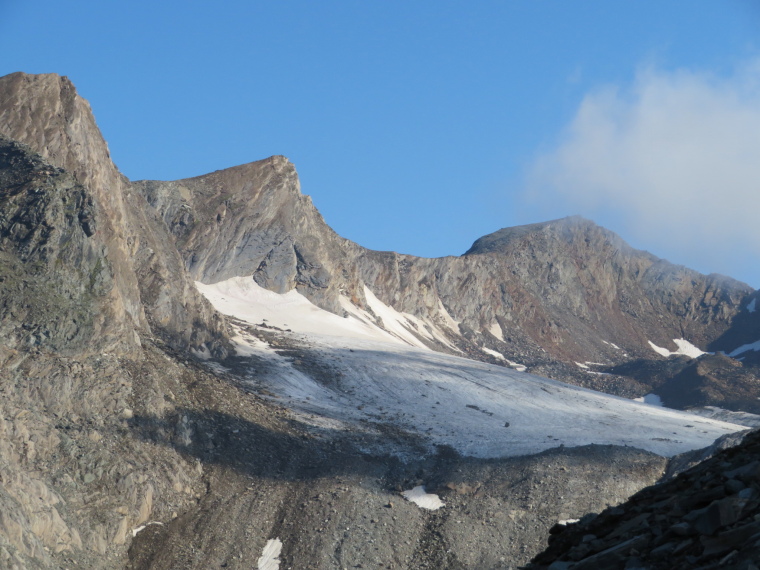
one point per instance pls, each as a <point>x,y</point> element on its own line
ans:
<point>707,517</point>
<point>713,380</point>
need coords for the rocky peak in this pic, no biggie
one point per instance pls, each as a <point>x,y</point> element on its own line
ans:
<point>149,291</point>
<point>252,220</point>
<point>565,229</point>
<point>46,113</point>
<point>566,290</point>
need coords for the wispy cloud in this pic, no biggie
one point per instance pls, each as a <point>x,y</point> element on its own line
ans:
<point>674,157</point>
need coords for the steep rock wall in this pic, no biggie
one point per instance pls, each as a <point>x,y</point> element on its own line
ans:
<point>149,287</point>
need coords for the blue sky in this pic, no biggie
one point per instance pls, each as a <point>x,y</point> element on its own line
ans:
<point>420,126</point>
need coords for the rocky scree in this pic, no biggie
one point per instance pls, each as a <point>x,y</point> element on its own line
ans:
<point>707,517</point>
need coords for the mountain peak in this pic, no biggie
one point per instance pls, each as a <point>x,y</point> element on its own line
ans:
<point>500,239</point>
<point>46,112</point>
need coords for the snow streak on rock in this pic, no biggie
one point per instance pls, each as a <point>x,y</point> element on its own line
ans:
<point>270,556</point>
<point>744,348</point>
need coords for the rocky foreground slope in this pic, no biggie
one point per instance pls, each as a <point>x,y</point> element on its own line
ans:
<point>707,517</point>
<point>120,447</point>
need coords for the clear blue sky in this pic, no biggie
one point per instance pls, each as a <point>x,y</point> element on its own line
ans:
<point>420,126</point>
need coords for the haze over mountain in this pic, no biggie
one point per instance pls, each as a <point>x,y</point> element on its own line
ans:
<point>143,428</point>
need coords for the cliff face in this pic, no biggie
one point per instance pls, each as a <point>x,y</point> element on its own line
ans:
<point>88,280</point>
<point>47,227</point>
<point>147,287</point>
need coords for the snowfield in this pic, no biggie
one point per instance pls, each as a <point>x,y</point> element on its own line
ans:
<point>367,379</point>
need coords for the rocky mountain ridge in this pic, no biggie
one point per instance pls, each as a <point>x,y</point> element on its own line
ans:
<point>567,298</point>
<point>148,287</point>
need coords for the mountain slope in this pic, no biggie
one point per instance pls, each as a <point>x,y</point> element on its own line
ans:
<point>139,428</point>
<point>143,459</point>
<point>705,518</point>
<point>353,376</point>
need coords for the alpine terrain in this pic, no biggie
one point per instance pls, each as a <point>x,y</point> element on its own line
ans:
<point>201,374</point>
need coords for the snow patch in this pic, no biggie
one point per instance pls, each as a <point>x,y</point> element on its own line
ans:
<point>585,367</point>
<point>745,348</point>
<point>651,399</point>
<point>516,365</point>
<point>136,530</point>
<point>492,352</point>
<point>495,330</point>
<point>243,298</point>
<point>616,347</point>
<point>270,556</point>
<point>368,378</point>
<point>403,325</point>
<point>424,500</point>
<point>751,308</point>
<point>685,348</point>
<point>448,320</point>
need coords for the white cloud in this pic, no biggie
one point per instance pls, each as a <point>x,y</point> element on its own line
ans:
<point>675,157</point>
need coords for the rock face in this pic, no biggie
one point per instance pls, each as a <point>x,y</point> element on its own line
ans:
<point>48,225</point>
<point>147,287</point>
<point>119,449</point>
<point>706,517</point>
<point>91,302</point>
